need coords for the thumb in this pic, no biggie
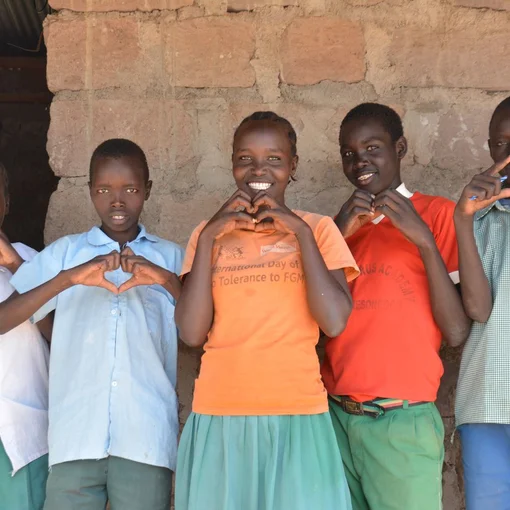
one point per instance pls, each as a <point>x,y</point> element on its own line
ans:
<point>129,284</point>
<point>105,284</point>
<point>498,166</point>
<point>127,252</point>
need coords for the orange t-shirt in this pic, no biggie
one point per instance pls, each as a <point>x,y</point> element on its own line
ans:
<point>260,354</point>
<point>391,343</point>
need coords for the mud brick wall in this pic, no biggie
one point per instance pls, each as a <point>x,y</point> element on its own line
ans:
<point>177,76</point>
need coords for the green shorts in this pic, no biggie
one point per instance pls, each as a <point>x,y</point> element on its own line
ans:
<point>25,490</point>
<point>89,484</point>
<point>395,461</point>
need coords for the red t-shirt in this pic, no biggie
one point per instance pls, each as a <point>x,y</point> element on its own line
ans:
<point>390,347</point>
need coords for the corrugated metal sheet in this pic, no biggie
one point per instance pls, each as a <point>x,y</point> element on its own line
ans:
<point>21,26</point>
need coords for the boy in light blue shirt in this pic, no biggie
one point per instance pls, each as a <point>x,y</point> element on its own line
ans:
<point>113,408</point>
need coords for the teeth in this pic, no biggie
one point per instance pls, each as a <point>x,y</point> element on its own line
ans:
<point>259,186</point>
<point>118,217</point>
<point>364,177</point>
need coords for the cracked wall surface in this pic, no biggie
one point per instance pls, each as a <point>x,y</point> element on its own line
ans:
<point>177,76</point>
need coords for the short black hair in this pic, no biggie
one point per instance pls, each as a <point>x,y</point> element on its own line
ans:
<point>503,107</point>
<point>273,117</point>
<point>4,179</point>
<point>389,118</point>
<point>117,148</point>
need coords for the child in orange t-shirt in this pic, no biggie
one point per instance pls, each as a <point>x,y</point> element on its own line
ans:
<point>260,280</point>
<point>383,371</point>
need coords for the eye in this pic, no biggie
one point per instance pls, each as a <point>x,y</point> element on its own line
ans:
<point>131,190</point>
<point>274,158</point>
<point>347,154</point>
<point>244,158</point>
<point>101,191</point>
<point>371,148</point>
<point>501,143</point>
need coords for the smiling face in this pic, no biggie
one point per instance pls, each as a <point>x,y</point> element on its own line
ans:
<point>118,191</point>
<point>262,158</point>
<point>499,138</point>
<point>370,158</point>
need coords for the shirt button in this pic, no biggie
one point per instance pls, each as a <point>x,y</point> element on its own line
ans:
<point>114,312</point>
<point>114,384</point>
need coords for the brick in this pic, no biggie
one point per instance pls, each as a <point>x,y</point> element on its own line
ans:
<point>461,142</point>
<point>454,59</point>
<point>164,130</point>
<point>499,5</point>
<point>66,61</point>
<point>320,48</point>
<point>96,53</point>
<point>118,5</point>
<point>249,5</point>
<point>211,52</point>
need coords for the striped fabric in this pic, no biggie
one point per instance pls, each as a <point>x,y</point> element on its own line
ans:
<point>483,392</point>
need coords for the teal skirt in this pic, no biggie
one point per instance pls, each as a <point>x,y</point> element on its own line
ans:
<point>260,463</point>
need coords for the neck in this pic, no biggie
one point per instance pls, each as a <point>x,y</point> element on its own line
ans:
<point>122,237</point>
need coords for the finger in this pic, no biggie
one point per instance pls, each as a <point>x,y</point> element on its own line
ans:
<point>263,199</point>
<point>127,252</point>
<point>265,214</point>
<point>240,203</point>
<point>387,201</point>
<point>361,193</point>
<point>497,167</point>
<point>361,211</point>
<point>240,197</point>
<point>129,284</point>
<point>105,284</point>
<point>361,203</point>
<point>243,217</point>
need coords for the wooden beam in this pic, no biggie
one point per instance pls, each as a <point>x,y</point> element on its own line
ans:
<point>35,63</point>
<point>35,97</point>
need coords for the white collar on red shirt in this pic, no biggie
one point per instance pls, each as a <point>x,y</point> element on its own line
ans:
<point>402,189</point>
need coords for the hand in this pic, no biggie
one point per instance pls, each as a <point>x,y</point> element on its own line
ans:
<point>356,212</point>
<point>234,214</point>
<point>402,214</point>
<point>9,257</point>
<point>486,187</point>
<point>270,214</point>
<point>92,272</point>
<point>146,273</point>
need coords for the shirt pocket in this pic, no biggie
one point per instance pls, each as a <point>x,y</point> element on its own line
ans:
<point>159,312</point>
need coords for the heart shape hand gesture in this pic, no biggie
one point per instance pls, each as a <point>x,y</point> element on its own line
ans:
<point>260,213</point>
<point>92,273</point>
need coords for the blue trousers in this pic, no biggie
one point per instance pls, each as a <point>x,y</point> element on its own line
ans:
<point>486,460</point>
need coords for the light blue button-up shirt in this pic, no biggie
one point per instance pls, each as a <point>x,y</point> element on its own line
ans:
<point>113,357</point>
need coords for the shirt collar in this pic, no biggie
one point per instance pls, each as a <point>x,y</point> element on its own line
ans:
<point>481,214</point>
<point>97,237</point>
<point>402,189</point>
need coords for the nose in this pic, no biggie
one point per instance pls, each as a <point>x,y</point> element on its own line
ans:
<point>117,200</point>
<point>360,161</point>
<point>258,168</point>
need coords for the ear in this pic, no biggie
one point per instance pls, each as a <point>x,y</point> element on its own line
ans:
<point>7,204</point>
<point>293,169</point>
<point>148,188</point>
<point>401,146</point>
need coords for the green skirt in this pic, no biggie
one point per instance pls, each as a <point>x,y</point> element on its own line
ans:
<point>260,463</point>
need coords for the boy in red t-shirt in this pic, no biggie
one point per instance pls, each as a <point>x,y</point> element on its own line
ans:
<point>383,372</point>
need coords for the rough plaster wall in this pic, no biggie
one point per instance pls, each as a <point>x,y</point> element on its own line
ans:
<point>177,76</point>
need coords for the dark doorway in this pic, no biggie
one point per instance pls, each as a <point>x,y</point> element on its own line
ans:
<point>24,119</point>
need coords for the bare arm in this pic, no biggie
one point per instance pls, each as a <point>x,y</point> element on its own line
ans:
<point>194,311</point>
<point>18,308</point>
<point>328,297</point>
<point>476,292</point>
<point>446,303</point>
<point>327,293</point>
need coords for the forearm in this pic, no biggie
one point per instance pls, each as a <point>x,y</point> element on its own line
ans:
<point>173,285</point>
<point>194,310</point>
<point>20,307</point>
<point>476,292</point>
<point>329,303</point>
<point>446,302</point>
